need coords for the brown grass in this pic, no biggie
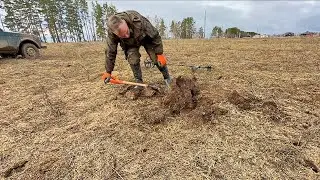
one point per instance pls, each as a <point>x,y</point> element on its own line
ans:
<point>257,115</point>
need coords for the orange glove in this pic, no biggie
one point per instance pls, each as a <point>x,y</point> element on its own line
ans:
<point>106,77</point>
<point>162,60</point>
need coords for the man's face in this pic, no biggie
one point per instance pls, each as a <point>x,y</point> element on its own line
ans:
<point>123,30</point>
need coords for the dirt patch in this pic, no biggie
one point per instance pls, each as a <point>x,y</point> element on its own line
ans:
<point>134,92</point>
<point>243,102</point>
<point>212,112</point>
<point>182,96</point>
<point>208,110</point>
<point>269,108</point>
<point>273,112</point>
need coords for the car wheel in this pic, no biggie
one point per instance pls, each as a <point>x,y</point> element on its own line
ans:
<point>30,51</point>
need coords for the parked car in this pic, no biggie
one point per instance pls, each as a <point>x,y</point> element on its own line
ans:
<point>14,43</point>
<point>287,34</point>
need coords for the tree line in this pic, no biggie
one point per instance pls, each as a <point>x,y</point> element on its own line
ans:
<point>185,29</point>
<point>232,32</point>
<point>72,21</point>
<point>66,20</point>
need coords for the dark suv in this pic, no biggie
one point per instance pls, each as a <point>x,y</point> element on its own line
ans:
<point>13,44</point>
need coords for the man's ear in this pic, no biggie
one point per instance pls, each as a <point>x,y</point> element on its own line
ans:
<point>123,21</point>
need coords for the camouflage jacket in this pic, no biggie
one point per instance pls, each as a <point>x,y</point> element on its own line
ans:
<point>142,33</point>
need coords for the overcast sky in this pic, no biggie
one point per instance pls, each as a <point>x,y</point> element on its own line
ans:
<point>262,16</point>
<point>270,17</point>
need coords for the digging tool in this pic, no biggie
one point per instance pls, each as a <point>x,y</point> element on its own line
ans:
<point>117,81</point>
<point>154,87</point>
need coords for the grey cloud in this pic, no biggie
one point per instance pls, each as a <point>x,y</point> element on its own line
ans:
<point>309,23</point>
<point>262,16</point>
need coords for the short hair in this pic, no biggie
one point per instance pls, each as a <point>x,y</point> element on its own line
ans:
<point>113,22</point>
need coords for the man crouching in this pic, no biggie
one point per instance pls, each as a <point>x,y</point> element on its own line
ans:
<point>132,30</point>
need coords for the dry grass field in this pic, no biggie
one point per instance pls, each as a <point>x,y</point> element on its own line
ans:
<point>257,114</point>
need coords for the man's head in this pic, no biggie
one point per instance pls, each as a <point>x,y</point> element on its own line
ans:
<point>118,26</point>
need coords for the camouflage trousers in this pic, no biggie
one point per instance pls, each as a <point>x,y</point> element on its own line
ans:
<point>133,55</point>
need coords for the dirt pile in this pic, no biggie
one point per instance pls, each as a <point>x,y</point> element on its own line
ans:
<point>183,95</point>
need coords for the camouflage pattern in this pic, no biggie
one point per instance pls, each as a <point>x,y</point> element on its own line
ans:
<point>142,33</point>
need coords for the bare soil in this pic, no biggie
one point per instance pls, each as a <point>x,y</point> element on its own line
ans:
<point>182,96</point>
<point>255,115</point>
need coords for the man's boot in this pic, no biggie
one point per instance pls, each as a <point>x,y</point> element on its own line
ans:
<point>136,69</point>
<point>166,76</point>
<point>137,74</point>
